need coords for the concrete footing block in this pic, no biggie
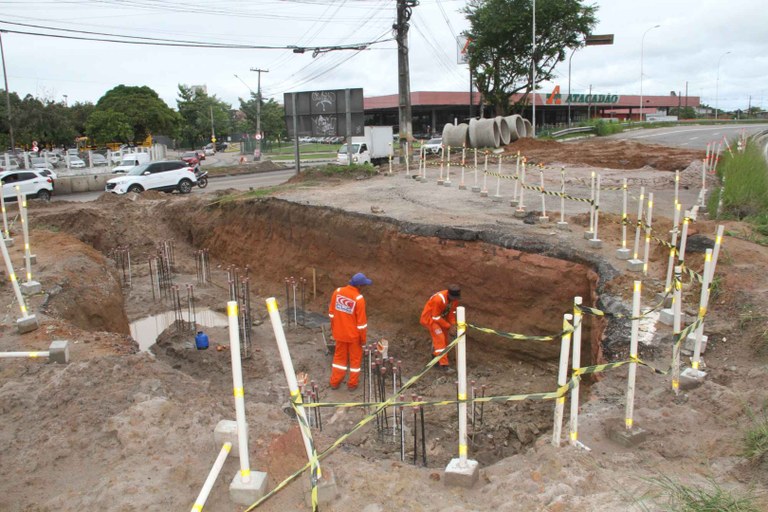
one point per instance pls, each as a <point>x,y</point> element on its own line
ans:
<point>8,242</point>
<point>496,199</point>
<point>458,475</point>
<point>447,183</point>
<point>623,254</point>
<point>475,189</point>
<point>30,288</point>
<point>226,432</point>
<point>513,203</point>
<point>440,182</point>
<point>589,234</point>
<point>543,219</point>
<point>691,379</point>
<point>33,259</point>
<point>327,489</point>
<point>628,438</point>
<point>666,298</point>
<point>58,352</point>
<point>690,343</point>
<point>562,226</point>
<point>666,316</point>
<point>635,265</point>
<point>483,193</point>
<point>520,213</point>
<point>595,243</point>
<point>245,493</point>
<point>27,324</point>
<point>462,187</point>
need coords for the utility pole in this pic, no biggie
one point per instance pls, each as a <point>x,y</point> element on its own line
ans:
<point>7,94</point>
<point>213,132</point>
<point>258,101</point>
<point>404,11</point>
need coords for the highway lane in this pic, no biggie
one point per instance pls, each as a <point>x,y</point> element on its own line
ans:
<point>239,182</point>
<point>691,137</point>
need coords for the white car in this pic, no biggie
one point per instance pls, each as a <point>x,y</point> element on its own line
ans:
<point>208,151</point>
<point>32,183</point>
<point>433,145</point>
<point>165,176</point>
<point>76,163</point>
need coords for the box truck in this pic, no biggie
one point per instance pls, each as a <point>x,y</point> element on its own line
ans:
<point>130,161</point>
<point>374,148</point>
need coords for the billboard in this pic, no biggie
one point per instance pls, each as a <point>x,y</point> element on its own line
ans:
<point>324,113</point>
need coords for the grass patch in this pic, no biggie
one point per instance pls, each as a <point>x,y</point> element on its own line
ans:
<point>603,128</point>
<point>743,193</point>
<point>354,171</point>
<point>756,438</point>
<point>676,497</point>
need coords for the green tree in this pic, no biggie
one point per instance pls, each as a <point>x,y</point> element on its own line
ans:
<point>198,110</point>
<point>146,112</point>
<point>272,118</point>
<point>105,126</point>
<point>79,113</point>
<point>500,52</point>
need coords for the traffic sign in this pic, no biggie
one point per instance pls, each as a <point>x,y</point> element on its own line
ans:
<point>258,136</point>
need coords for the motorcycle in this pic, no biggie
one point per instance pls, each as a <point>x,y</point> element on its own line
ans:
<point>202,177</point>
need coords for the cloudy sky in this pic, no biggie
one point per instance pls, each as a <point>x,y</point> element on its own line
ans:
<point>693,38</point>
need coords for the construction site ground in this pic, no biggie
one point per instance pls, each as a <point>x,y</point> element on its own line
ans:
<point>125,429</point>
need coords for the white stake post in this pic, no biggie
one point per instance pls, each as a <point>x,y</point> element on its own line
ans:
<point>624,213</point>
<point>703,302</point>
<point>461,363</point>
<point>14,282</point>
<point>22,202</point>
<point>212,476</point>
<point>448,168</point>
<point>442,163</point>
<point>485,175</point>
<point>498,178</point>
<point>521,203</point>
<point>290,375</point>
<point>237,383</point>
<point>648,234</point>
<point>596,208</point>
<point>476,186</point>
<point>517,175</point>
<point>463,165</point>
<point>424,163</point>
<point>543,195</point>
<point>703,194</point>
<point>716,251</point>
<point>565,342</point>
<point>575,365</point>
<point>635,334</point>
<point>640,205</point>
<point>683,241</point>
<point>407,159</point>
<point>592,202</point>
<point>677,187</point>
<point>672,250</point>
<point>6,233</point>
<point>677,311</point>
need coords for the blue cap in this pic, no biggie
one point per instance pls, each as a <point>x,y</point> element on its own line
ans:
<point>359,279</point>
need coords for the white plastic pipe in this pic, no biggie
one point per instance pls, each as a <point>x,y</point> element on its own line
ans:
<point>475,150</point>
<point>290,376</point>
<point>624,213</point>
<point>22,201</point>
<point>683,240</point>
<point>521,204</point>
<point>677,187</point>
<point>442,163</point>
<point>575,365</point>
<point>461,363</point>
<point>543,195</point>
<point>6,233</point>
<point>562,195</point>
<point>677,312</point>
<point>30,355</point>
<point>648,234</point>
<point>517,175</point>
<point>212,476</point>
<point>672,250</point>
<point>703,303</point>
<point>485,174</point>
<point>716,251</point>
<point>498,178</point>
<point>633,341</point>
<point>592,202</point>
<point>448,167</point>
<point>640,204</point>
<point>596,208</point>
<point>14,282</point>
<point>565,342</point>
<point>237,383</point>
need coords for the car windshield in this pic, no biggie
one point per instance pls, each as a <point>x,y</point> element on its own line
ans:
<point>138,170</point>
<point>189,154</point>
<point>355,148</point>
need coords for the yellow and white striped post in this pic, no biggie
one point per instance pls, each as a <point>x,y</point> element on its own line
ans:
<point>716,251</point>
<point>442,164</point>
<point>517,176</point>
<point>565,342</point>
<point>640,205</point>
<point>596,208</point>
<point>562,196</point>
<point>22,201</point>
<point>447,182</point>
<point>461,364</point>
<point>677,320</point>
<point>237,383</point>
<point>592,202</point>
<point>14,281</point>
<point>646,254</point>
<point>521,203</point>
<point>212,476</point>
<point>683,240</point>
<point>407,159</point>
<point>703,303</point>
<point>633,342</point>
<point>672,249</point>
<point>6,233</point>
<point>575,365</point>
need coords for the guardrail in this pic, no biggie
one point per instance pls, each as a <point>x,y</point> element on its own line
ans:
<point>580,129</point>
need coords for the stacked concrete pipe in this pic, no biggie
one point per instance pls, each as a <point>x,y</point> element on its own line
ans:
<point>516,127</point>
<point>484,133</point>
<point>528,128</point>
<point>456,136</point>
<point>505,135</point>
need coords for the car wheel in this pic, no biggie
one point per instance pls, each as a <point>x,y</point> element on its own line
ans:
<point>44,195</point>
<point>136,189</point>
<point>185,186</point>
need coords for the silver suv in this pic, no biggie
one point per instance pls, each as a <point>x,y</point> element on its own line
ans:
<point>31,183</point>
<point>165,176</point>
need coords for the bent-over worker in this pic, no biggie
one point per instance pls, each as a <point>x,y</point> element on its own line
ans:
<point>438,316</point>
<point>349,326</point>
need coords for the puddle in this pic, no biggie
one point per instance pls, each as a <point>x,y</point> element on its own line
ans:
<point>146,330</point>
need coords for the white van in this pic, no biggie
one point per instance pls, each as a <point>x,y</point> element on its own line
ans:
<point>130,161</point>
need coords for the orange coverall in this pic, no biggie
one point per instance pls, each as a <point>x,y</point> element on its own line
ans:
<point>438,316</point>
<point>349,327</point>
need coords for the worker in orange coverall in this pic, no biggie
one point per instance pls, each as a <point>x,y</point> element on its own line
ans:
<point>349,326</point>
<point>438,316</point>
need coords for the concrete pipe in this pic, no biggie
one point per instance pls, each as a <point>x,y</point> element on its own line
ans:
<point>528,128</point>
<point>484,133</point>
<point>516,127</point>
<point>456,136</point>
<point>504,134</point>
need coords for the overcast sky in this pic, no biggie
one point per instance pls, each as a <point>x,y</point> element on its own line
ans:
<point>693,37</point>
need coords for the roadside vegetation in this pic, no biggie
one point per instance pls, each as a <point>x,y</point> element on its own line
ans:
<point>674,496</point>
<point>756,437</point>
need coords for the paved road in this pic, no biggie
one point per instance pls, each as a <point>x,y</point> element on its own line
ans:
<point>693,137</point>
<point>241,182</point>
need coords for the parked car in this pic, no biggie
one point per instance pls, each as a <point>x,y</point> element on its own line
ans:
<point>98,159</point>
<point>220,146</point>
<point>40,164</point>
<point>164,175</point>
<point>208,151</point>
<point>76,162</point>
<point>190,157</point>
<point>30,182</point>
<point>433,145</point>
<point>12,163</point>
<point>200,154</point>
<point>52,158</point>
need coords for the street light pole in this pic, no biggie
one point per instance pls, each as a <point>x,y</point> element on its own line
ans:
<point>642,43</point>
<point>7,94</point>
<point>258,101</point>
<point>533,69</point>
<point>717,83</point>
<point>569,85</point>
<point>589,40</point>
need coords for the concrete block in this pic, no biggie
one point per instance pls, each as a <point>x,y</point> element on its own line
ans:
<point>80,184</point>
<point>327,489</point>
<point>30,288</point>
<point>666,316</point>
<point>542,220</point>
<point>58,352</point>
<point>475,189</point>
<point>628,438</point>
<point>690,343</point>
<point>440,182</point>
<point>595,243</point>
<point>462,187</point>
<point>456,475</point>
<point>520,213</point>
<point>635,265</point>
<point>226,431</point>
<point>245,493</point>
<point>33,259</point>
<point>513,203</point>
<point>666,298</point>
<point>27,324</point>
<point>496,199</point>
<point>447,183</point>
<point>623,254</point>
<point>589,234</point>
<point>562,226</point>
<point>8,242</point>
<point>691,379</point>
<point>483,193</point>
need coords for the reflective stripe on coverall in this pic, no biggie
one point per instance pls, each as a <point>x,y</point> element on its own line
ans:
<point>438,316</point>
<point>349,326</point>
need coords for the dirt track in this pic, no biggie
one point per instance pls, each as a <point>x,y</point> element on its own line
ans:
<point>119,429</point>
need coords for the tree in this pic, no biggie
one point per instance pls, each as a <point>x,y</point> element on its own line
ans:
<point>79,113</point>
<point>145,111</point>
<point>272,118</point>
<point>501,49</point>
<point>196,109</point>
<point>105,126</point>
